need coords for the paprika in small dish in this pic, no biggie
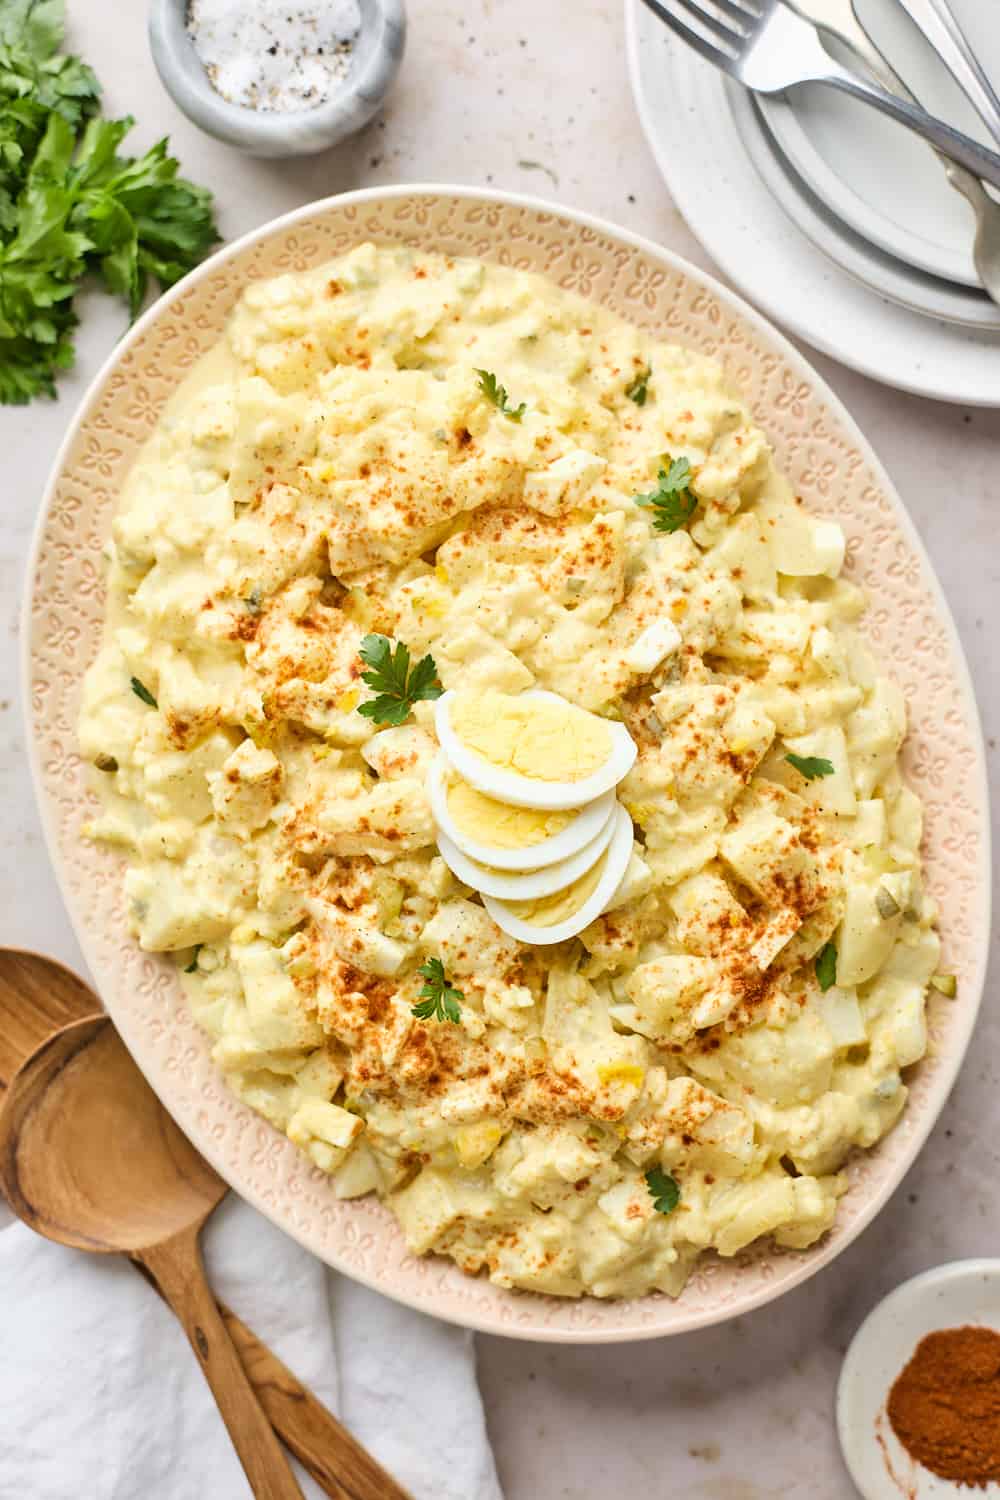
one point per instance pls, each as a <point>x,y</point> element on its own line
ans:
<point>918,1404</point>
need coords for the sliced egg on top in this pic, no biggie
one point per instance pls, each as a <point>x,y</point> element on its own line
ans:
<point>554,918</point>
<point>532,749</point>
<point>510,838</point>
<point>531,884</point>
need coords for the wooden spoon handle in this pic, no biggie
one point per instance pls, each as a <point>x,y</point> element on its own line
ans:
<point>338,1463</point>
<point>177,1269</point>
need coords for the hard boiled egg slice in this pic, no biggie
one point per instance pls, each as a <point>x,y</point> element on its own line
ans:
<point>529,886</point>
<point>554,918</point>
<point>532,749</point>
<point>510,838</point>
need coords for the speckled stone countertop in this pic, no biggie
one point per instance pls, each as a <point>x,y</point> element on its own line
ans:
<point>535,97</point>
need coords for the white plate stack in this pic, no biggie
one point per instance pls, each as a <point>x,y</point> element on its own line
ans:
<point>836,221</point>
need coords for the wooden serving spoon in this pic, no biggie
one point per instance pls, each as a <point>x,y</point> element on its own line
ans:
<point>90,1158</point>
<point>37,997</point>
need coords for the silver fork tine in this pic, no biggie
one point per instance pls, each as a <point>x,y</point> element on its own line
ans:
<point>712,23</point>
<point>747,11</point>
<point>714,55</point>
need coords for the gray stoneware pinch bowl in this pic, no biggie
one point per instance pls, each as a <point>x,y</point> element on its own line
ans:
<point>355,99</point>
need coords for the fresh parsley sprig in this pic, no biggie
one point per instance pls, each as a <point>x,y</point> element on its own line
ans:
<point>398,685</point>
<point>498,395</point>
<point>810,766</point>
<point>439,1000</point>
<point>638,389</point>
<point>826,966</point>
<point>673,501</point>
<point>664,1190</point>
<point>70,204</point>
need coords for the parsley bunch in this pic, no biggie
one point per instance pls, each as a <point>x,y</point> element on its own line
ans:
<point>70,204</point>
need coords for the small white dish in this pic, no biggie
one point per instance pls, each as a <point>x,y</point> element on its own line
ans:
<point>951,1296</point>
<point>879,179</point>
<point>375,61</point>
<point>947,300</point>
<point>703,159</point>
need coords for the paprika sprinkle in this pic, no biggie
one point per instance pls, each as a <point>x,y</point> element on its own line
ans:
<point>945,1405</point>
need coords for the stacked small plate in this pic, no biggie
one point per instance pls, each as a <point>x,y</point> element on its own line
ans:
<point>836,221</point>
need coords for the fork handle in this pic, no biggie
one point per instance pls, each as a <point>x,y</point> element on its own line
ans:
<point>951,143</point>
<point>935,19</point>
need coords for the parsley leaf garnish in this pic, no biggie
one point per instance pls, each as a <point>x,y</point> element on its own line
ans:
<point>826,966</point>
<point>672,500</point>
<point>192,967</point>
<point>638,389</point>
<point>70,204</point>
<point>439,1000</point>
<point>397,685</point>
<point>498,395</point>
<point>142,691</point>
<point>664,1190</point>
<point>810,766</point>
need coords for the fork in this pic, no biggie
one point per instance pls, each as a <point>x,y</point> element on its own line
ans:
<point>769,48</point>
<point>939,25</point>
<point>840,19</point>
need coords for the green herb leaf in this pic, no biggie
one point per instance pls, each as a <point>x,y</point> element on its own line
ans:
<point>142,691</point>
<point>70,204</point>
<point>673,501</point>
<point>397,685</point>
<point>664,1190</point>
<point>192,967</point>
<point>439,1000</point>
<point>638,389</point>
<point>498,395</point>
<point>810,766</point>
<point>826,966</point>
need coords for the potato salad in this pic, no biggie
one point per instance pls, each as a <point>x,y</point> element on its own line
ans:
<point>488,733</point>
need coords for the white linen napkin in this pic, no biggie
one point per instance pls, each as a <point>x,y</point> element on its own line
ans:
<point>101,1396</point>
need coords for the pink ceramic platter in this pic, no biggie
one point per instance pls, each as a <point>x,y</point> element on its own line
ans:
<point>908,626</point>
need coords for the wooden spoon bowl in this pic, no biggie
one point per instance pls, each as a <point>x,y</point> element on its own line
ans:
<point>37,996</point>
<point>123,1177</point>
<point>90,1158</point>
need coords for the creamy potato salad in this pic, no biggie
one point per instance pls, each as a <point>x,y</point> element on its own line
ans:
<point>581,540</point>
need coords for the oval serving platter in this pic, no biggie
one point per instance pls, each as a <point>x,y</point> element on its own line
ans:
<point>832,467</point>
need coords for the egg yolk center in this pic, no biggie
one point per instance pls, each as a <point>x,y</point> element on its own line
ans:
<point>498,825</point>
<point>549,911</point>
<point>534,737</point>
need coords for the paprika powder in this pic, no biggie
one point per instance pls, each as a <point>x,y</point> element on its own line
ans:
<point>944,1406</point>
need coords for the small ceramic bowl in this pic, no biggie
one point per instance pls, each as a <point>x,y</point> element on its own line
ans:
<point>377,54</point>
<point>950,1296</point>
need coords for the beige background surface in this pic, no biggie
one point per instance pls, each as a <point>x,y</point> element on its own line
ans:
<point>743,1412</point>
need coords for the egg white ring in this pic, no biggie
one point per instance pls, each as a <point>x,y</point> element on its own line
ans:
<point>589,822</point>
<point>533,883</point>
<point>527,791</point>
<point>618,855</point>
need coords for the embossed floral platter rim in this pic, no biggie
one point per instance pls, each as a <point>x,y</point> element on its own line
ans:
<point>908,625</point>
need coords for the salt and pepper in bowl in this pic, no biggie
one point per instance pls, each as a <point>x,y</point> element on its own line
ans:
<point>278,77</point>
